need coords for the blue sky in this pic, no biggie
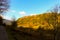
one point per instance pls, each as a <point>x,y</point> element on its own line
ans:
<point>20,8</point>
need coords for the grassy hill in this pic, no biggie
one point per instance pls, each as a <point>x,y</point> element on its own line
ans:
<point>45,21</point>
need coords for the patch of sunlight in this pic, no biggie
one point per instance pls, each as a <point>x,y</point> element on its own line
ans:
<point>35,27</point>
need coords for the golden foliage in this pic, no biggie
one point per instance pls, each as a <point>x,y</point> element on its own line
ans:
<point>45,21</point>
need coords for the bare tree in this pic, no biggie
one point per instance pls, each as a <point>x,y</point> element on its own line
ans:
<point>56,9</point>
<point>55,12</point>
<point>14,23</point>
<point>3,6</point>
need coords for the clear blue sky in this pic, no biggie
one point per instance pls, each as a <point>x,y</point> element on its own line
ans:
<point>19,8</point>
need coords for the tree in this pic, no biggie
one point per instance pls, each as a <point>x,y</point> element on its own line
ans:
<point>3,6</point>
<point>14,23</point>
<point>55,11</point>
<point>1,21</point>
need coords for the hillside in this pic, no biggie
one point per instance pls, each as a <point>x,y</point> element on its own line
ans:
<point>27,24</point>
<point>45,21</point>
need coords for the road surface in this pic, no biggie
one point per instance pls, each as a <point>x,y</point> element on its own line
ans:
<point>3,34</point>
